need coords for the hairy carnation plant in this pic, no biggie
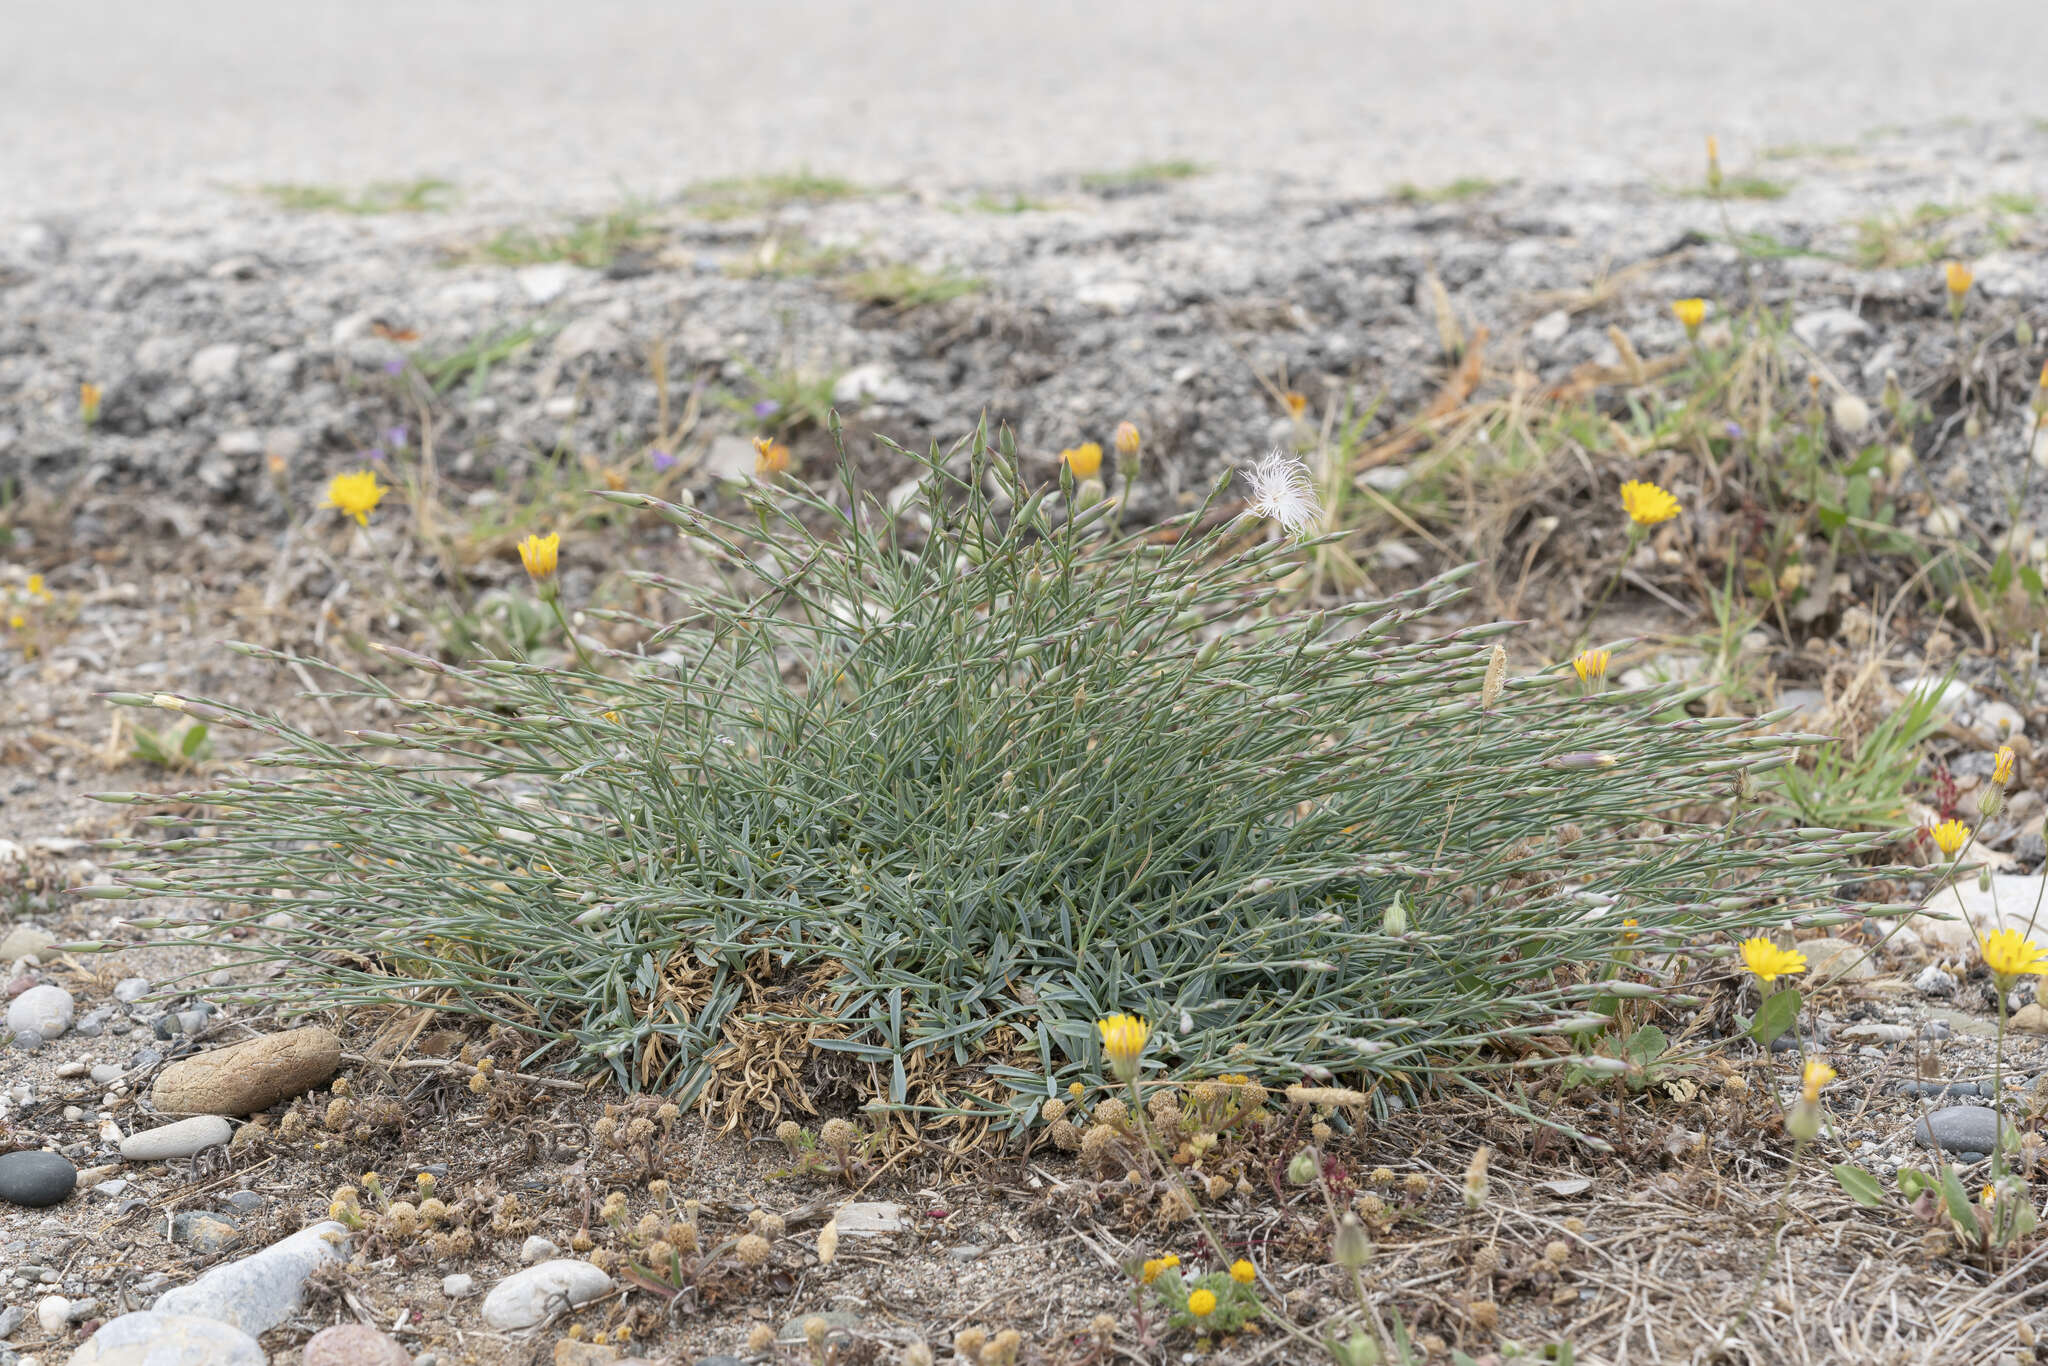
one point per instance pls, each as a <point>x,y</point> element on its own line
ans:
<point>904,798</point>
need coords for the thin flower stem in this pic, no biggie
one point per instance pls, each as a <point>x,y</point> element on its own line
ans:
<point>582,656</point>
<point>1771,1252</point>
<point>1635,537</point>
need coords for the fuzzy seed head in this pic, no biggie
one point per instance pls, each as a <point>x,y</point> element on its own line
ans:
<point>968,1342</point>
<point>1217,1185</point>
<point>1112,1111</point>
<point>760,1338</point>
<point>649,1228</point>
<point>1280,490</point>
<point>1485,1316</point>
<point>1496,678</point>
<point>1557,1252</point>
<point>1416,1184</point>
<point>1065,1136</point>
<point>668,1113</point>
<point>1054,1110</point>
<point>683,1237</point>
<point>433,1211</point>
<point>752,1250</point>
<point>1475,1179</point>
<point>815,1331</point>
<point>581,1241</point>
<point>1164,1108</point>
<point>838,1135</point>
<point>917,1354</point>
<point>640,1130</point>
<point>403,1218</point>
<point>790,1133</point>
<point>771,1227</point>
<point>1003,1348</point>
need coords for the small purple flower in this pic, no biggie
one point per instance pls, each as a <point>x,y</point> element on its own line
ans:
<point>1734,430</point>
<point>375,455</point>
<point>767,407</point>
<point>394,367</point>
<point>663,461</point>
<point>397,437</point>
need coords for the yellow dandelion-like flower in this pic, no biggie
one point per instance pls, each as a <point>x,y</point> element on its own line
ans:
<point>539,553</point>
<point>1150,1271</point>
<point>1769,962</point>
<point>1816,1075</point>
<point>356,494</point>
<point>1629,931</point>
<point>89,395</point>
<point>1126,438</point>
<point>1647,504</point>
<point>770,457</point>
<point>1591,665</point>
<point>1297,403</point>
<point>1085,460</point>
<point>1950,836</point>
<point>2010,954</point>
<point>2001,762</point>
<point>1958,278</point>
<point>1202,1303</point>
<point>1690,312</point>
<point>36,589</point>
<point>1243,1272</point>
<point>1123,1042</point>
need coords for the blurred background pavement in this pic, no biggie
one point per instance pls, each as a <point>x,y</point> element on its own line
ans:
<point>140,103</point>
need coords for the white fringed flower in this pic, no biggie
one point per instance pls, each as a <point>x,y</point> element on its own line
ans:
<point>1282,490</point>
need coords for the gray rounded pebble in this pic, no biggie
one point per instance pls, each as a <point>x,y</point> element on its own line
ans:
<point>258,1292</point>
<point>1959,1129</point>
<point>181,1139</point>
<point>47,1009</point>
<point>35,1178</point>
<point>527,1297</point>
<point>151,1338</point>
<point>27,1040</point>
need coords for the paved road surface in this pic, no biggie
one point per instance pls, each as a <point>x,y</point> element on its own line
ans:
<point>138,102</point>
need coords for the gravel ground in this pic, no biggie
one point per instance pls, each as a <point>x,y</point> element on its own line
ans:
<point>532,103</point>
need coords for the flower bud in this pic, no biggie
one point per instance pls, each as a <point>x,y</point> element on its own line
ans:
<point>1803,1122</point>
<point>1357,1350</point>
<point>1394,920</point>
<point>1989,800</point>
<point>1303,1168</point>
<point>1351,1248</point>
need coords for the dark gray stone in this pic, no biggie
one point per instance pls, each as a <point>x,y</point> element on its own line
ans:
<point>35,1179</point>
<point>27,1040</point>
<point>1943,1088</point>
<point>1959,1129</point>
